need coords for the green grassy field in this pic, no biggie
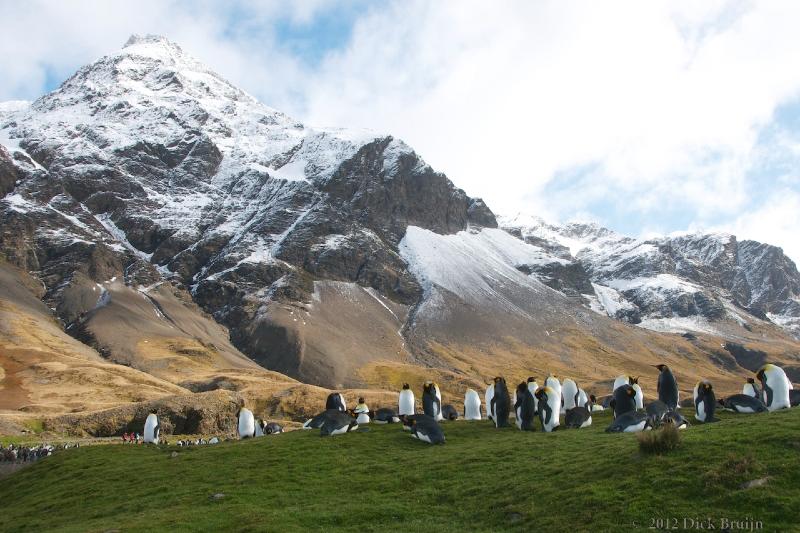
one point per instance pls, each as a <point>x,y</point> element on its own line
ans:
<point>483,479</point>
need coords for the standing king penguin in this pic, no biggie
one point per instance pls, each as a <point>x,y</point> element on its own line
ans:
<point>553,383</point>
<point>639,394</point>
<point>431,403</point>
<point>501,403</point>
<point>524,409</point>
<point>549,408</point>
<point>336,401</point>
<point>624,400</point>
<point>532,386</point>
<point>569,393</point>
<point>488,397</point>
<point>151,428</point>
<point>247,423</point>
<point>472,405</point>
<point>705,402</point>
<point>775,387</point>
<point>406,403</point>
<point>751,389</point>
<point>667,387</point>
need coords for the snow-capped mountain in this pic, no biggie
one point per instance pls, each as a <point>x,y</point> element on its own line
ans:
<point>680,282</point>
<point>147,188</point>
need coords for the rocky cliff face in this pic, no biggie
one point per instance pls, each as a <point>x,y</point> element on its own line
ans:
<point>672,283</point>
<point>147,167</point>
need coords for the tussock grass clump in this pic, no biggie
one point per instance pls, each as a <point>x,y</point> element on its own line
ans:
<point>660,441</point>
<point>735,470</point>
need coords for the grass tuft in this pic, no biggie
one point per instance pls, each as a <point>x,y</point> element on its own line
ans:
<point>735,471</point>
<point>660,441</point>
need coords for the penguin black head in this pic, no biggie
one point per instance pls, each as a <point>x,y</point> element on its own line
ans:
<point>593,398</point>
<point>405,386</point>
<point>154,411</point>
<point>522,388</point>
<point>661,367</point>
<point>760,374</point>
<point>751,381</point>
<point>707,386</point>
<point>540,393</point>
<point>633,380</point>
<point>361,400</point>
<point>531,379</point>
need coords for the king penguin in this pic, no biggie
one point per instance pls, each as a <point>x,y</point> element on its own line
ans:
<point>362,412</point>
<point>336,422</point>
<point>501,403</point>
<point>532,386</point>
<point>524,409</point>
<point>488,397</point>
<point>704,402</point>
<point>619,381</point>
<point>578,417</point>
<point>472,405</point>
<point>583,399</point>
<point>630,422</point>
<point>553,383</point>
<point>624,400</point>
<point>657,411</point>
<point>549,408</point>
<point>775,387</point>
<point>247,423</point>
<point>259,428</point>
<point>751,388</point>
<point>743,403</point>
<point>667,387</point>
<point>639,394</point>
<point>336,401</point>
<point>152,429</point>
<point>569,392</point>
<point>385,415</point>
<point>431,403</point>
<point>406,402</point>
<point>426,429</point>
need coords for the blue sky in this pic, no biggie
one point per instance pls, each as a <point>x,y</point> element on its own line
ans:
<point>643,116</point>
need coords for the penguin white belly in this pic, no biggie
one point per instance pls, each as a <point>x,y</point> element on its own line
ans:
<point>259,432</point>
<point>472,405</point>
<point>518,417</point>
<point>488,398</point>
<point>743,409</point>
<point>569,394</point>
<point>532,386</point>
<point>701,412</point>
<point>438,407</point>
<point>587,423</point>
<point>343,429</point>
<point>619,382</point>
<point>635,428</point>
<point>247,424</point>
<point>423,437</point>
<point>406,406</point>
<point>639,396</point>
<point>150,426</point>
<point>363,418</point>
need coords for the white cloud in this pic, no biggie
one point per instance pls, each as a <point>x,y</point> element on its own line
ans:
<point>777,222</point>
<point>662,101</point>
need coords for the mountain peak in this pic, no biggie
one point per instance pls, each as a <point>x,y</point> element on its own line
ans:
<point>148,39</point>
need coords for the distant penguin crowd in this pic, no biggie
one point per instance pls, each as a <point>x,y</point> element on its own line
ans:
<point>552,406</point>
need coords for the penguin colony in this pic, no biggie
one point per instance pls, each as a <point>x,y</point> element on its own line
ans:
<point>770,390</point>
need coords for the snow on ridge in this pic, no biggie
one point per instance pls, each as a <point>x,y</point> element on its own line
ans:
<point>476,267</point>
<point>659,282</point>
<point>610,300</point>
